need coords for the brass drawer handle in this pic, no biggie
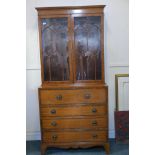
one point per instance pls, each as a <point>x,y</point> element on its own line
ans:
<point>94,110</point>
<point>87,96</point>
<point>54,123</point>
<point>94,135</point>
<point>59,97</point>
<point>54,137</point>
<point>94,122</point>
<point>53,111</point>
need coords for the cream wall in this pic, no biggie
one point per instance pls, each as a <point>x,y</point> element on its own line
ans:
<point>116,54</point>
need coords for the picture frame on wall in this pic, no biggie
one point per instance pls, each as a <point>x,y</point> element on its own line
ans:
<point>122,92</point>
<point>122,108</point>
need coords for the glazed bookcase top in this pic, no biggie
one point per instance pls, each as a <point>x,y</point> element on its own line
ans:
<point>71,44</point>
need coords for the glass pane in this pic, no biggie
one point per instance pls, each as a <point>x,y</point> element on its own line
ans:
<point>88,50</point>
<point>55,50</point>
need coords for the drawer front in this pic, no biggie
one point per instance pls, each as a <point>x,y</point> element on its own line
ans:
<point>84,136</point>
<point>75,123</point>
<point>72,96</point>
<point>74,111</point>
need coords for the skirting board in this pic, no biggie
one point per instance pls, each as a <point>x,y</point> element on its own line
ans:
<point>33,136</point>
<point>37,135</point>
<point>112,134</point>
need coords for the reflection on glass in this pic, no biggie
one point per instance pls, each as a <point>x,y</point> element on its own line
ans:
<point>55,50</point>
<point>88,50</point>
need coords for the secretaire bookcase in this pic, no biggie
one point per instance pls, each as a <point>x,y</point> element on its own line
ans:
<point>73,97</point>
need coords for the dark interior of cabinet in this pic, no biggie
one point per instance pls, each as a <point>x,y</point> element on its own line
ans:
<point>87,48</point>
<point>55,49</point>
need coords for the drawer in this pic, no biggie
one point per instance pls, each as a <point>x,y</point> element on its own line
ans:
<point>74,123</point>
<point>72,96</point>
<point>84,136</point>
<point>74,110</point>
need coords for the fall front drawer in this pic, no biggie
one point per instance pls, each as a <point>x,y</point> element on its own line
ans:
<point>74,110</point>
<point>74,123</point>
<point>82,136</point>
<point>73,96</point>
